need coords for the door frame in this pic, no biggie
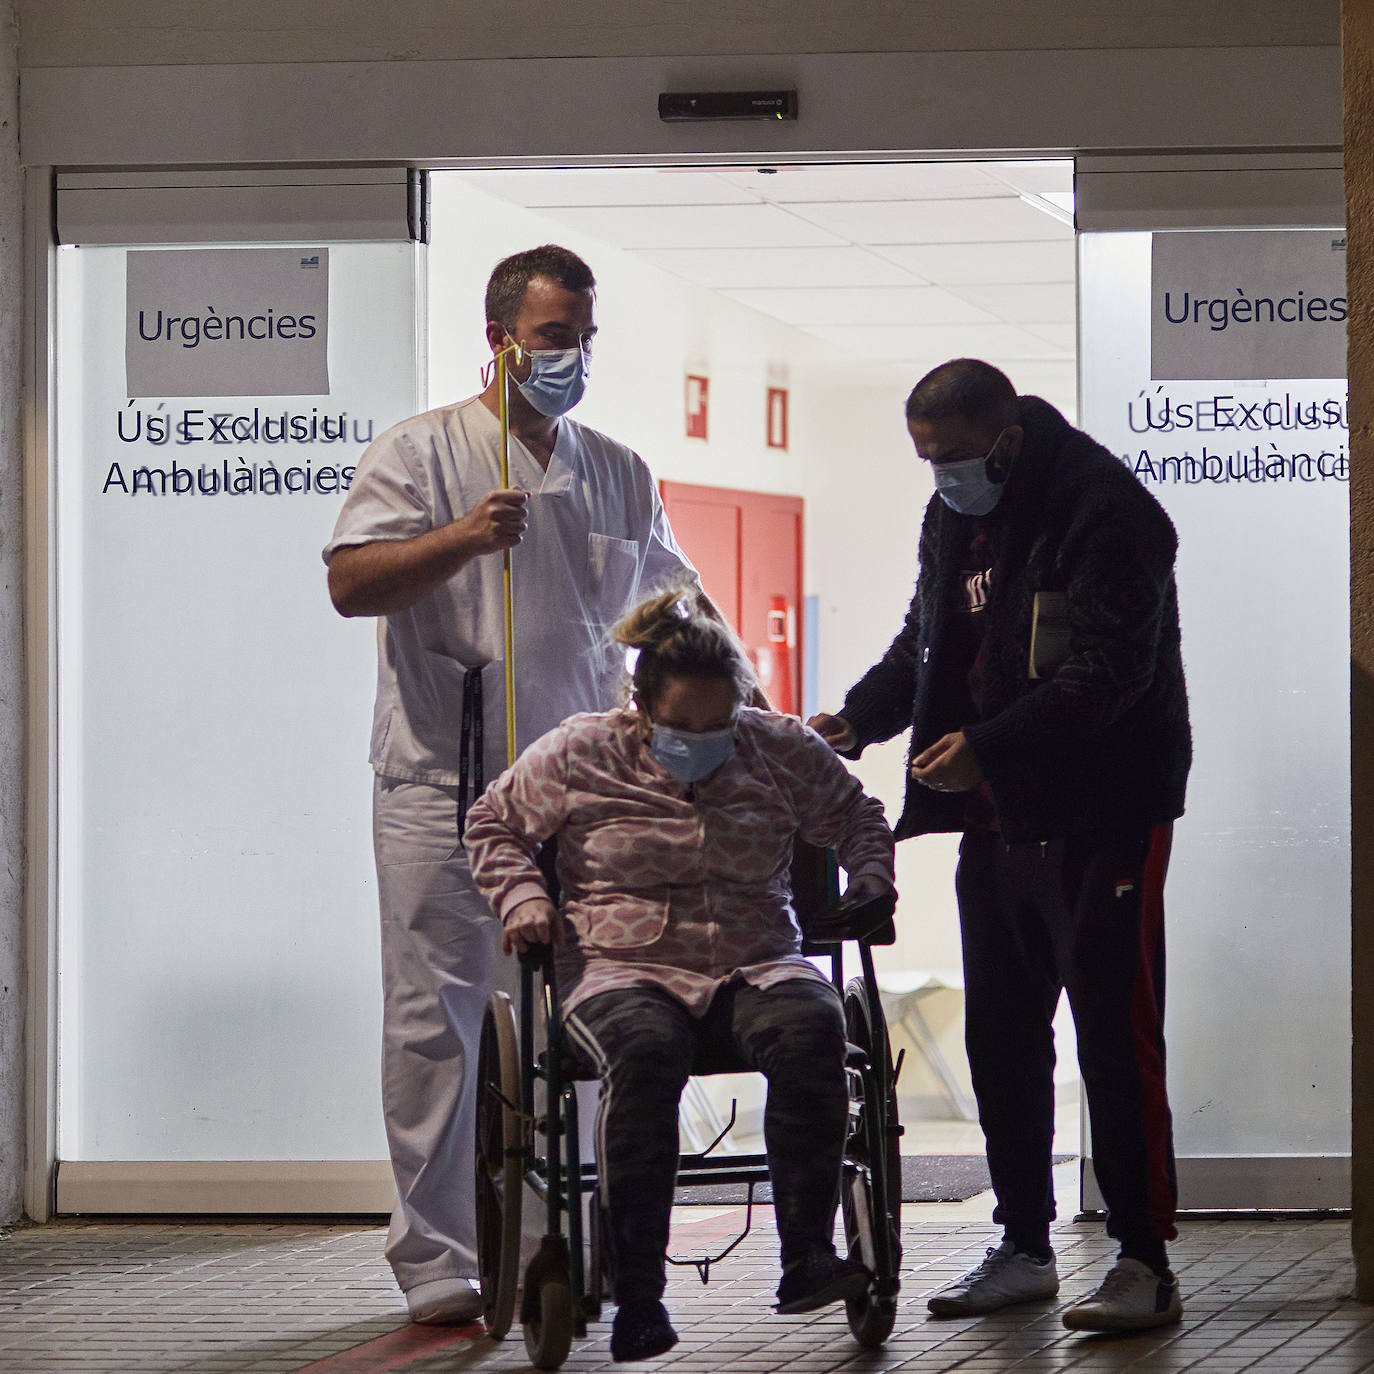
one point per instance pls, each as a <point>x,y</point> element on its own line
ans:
<point>47,134</point>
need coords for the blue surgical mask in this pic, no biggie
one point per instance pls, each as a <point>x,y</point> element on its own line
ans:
<point>966,486</point>
<point>689,756</point>
<point>557,380</point>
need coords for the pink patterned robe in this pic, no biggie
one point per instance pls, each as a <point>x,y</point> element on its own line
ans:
<point>680,885</point>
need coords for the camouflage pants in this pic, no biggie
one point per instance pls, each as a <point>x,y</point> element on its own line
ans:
<point>643,1043</point>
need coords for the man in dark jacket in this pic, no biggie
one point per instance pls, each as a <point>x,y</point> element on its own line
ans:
<point>1039,672</point>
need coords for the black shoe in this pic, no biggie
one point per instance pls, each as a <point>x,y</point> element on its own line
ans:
<point>640,1331</point>
<point>818,1280</point>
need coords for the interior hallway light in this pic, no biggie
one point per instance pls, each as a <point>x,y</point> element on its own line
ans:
<point>1056,204</point>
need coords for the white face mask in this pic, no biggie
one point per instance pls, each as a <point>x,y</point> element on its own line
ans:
<point>557,380</point>
<point>689,755</point>
<point>966,486</point>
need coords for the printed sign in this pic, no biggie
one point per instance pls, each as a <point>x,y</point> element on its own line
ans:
<point>227,322</point>
<point>1247,306</point>
<point>777,417</point>
<point>698,405</point>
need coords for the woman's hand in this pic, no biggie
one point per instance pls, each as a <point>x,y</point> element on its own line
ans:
<point>862,889</point>
<point>836,731</point>
<point>533,922</point>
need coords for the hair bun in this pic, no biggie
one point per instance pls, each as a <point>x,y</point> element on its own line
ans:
<point>653,622</point>
<point>678,633</point>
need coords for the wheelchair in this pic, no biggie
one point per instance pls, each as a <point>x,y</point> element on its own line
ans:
<point>527,1136</point>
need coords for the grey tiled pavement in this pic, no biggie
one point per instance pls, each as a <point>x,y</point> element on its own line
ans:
<point>111,1298</point>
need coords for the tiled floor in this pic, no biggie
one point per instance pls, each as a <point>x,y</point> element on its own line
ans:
<point>235,1299</point>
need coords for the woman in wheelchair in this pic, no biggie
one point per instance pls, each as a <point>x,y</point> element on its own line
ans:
<point>675,823</point>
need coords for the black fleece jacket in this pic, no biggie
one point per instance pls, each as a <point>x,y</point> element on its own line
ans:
<point>1104,743</point>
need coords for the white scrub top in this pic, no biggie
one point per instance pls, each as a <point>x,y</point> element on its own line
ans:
<point>598,542</point>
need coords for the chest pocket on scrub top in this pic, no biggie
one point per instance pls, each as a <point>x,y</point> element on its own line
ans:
<point>612,572</point>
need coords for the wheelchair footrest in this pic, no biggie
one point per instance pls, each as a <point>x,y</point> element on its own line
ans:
<point>739,1169</point>
<point>703,1265</point>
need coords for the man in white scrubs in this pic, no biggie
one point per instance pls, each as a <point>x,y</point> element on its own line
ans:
<point>418,543</point>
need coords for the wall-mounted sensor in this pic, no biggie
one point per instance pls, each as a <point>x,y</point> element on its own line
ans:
<point>680,107</point>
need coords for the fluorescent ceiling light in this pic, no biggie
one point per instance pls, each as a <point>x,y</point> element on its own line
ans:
<point>1056,204</point>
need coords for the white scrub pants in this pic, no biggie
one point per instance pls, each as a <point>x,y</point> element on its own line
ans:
<point>441,959</point>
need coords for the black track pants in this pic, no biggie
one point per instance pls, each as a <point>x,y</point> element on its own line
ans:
<point>1084,914</point>
<point>643,1043</point>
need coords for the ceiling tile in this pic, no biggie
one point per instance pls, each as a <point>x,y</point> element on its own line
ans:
<point>1025,303</point>
<point>540,187</point>
<point>900,264</point>
<point>695,226</point>
<point>737,268</point>
<point>804,306</point>
<point>1061,336</point>
<point>954,264</point>
<point>868,181</point>
<point>1035,178</point>
<point>1057,382</point>
<point>935,221</point>
<point>939,342</point>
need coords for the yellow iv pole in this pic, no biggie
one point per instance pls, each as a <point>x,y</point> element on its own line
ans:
<point>503,413</point>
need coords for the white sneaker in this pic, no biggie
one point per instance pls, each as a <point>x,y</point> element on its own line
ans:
<point>1007,1275</point>
<point>1131,1298</point>
<point>444,1302</point>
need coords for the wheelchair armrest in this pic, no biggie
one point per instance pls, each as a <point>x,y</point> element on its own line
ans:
<point>866,919</point>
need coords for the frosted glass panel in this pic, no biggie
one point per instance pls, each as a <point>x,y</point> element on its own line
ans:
<point>217,913</point>
<point>1258,900</point>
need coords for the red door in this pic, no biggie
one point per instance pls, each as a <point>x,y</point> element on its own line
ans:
<point>747,546</point>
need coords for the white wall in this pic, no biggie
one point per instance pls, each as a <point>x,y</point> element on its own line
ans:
<point>866,494</point>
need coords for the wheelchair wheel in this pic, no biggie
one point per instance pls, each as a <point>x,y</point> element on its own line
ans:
<point>549,1338</point>
<point>547,1307</point>
<point>499,1159</point>
<point>873,1313</point>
